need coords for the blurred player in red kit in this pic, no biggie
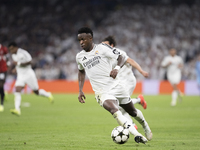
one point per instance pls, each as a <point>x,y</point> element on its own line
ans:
<point>3,70</point>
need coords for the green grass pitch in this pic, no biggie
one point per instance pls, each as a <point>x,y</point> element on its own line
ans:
<point>70,125</point>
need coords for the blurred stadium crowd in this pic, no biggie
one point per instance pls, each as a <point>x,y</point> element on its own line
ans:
<point>48,30</point>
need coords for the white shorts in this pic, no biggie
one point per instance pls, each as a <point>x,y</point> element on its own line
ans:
<point>174,79</point>
<point>29,78</point>
<point>118,93</point>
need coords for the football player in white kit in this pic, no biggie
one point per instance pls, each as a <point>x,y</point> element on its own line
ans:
<point>126,76</point>
<point>173,63</point>
<point>96,61</point>
<point>25,75</point>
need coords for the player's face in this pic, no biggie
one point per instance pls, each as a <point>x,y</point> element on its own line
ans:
<point>85,41</point>
<point>12,49</point>
<point>172,52</point>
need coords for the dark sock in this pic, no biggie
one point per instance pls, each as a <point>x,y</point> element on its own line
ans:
<point>2,95</point>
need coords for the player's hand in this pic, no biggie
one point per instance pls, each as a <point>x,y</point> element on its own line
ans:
<point>145,74</point>
<point>81,97</point>
<point>180,66</point>
<point>114,73</point>
<point>13,71</point>
<point>14,62</point>
<point>169,63</point>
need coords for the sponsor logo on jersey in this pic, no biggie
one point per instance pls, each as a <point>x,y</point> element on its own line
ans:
<point>92,62</point>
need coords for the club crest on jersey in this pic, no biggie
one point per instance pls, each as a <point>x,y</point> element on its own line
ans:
<point>96,52</point>
<point>84,58</point>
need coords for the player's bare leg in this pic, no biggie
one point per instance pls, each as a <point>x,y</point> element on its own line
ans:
<point>137,114</point>
<point>17,101</point>
<point>42,92</point>
<point>112,107</point>
<point>2,95</point>
<point>176,94</point>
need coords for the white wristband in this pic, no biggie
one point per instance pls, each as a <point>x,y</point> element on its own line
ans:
<point>117,67</point>
<point>18,63</point>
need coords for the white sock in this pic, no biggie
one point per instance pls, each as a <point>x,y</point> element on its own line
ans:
<point>128,117</point>
<point>174,96</point>
<point>125,114</point>
<point>17,100</point>
<point>140,118</point>
<point>123,121</point>
<point>135,100</point>
<point>44,93</point>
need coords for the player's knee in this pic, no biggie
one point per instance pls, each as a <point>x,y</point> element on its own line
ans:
<point>110,106</point>
<point>113,110</point>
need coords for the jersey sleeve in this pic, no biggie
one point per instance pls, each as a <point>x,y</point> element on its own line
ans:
<point>27,57</point>
<point>164,62</point>
<point>110,52</point>
<point>80,67</point>
<point>23,57</point>
<point>123,53</point>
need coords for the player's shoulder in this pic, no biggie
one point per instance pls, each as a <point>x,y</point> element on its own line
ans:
<point>121,51</point>
<point>106,47</point>
<point>20,50</point>
<point>168,57</point>
<point>80,54</point>
<point>103,46</point>
<point>178,56</point>
<point>3,48</point>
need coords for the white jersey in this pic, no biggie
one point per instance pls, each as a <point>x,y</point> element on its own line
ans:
<point>126,71</point>
<point>125,74</point>
<point>98,65</point>
<point>22,56</point>
<point>173,68</point>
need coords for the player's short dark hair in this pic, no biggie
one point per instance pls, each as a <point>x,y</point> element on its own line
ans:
<point>85,30</point>
<point>12,44</point>
<point>111,40</point>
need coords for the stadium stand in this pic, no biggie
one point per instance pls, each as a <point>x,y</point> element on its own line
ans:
<point>145,30</point>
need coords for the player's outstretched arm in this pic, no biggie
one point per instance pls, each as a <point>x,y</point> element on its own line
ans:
<point>137,66</point>
<point>120,63</point>
<point>81,81</point>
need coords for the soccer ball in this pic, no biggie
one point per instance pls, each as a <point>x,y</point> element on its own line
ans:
<point>120,135</point>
